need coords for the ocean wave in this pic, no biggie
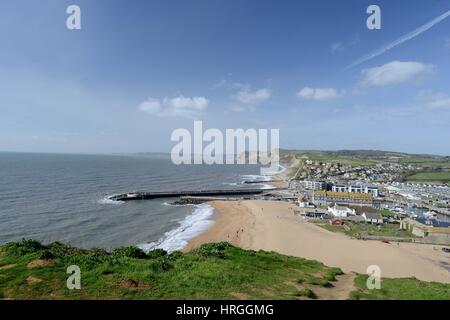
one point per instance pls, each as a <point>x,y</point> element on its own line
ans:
<point>176,205</point>
<point>258,180</point>
<point>230,183</point>
<point>267,186</point>
<point>176,239</point>
<point>255,178</point>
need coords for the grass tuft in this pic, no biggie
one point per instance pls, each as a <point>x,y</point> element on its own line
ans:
<point>216,250</point>
<point>331,274</point>
<point>308,293</point>
<point>130,252</point>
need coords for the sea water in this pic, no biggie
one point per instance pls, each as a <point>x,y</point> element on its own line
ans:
<point>55,197</point>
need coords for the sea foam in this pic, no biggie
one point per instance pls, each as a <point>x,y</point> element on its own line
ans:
<point>256,178</point>
<point>176,239</point>
<point>108,200</point>
<point>266,186</point>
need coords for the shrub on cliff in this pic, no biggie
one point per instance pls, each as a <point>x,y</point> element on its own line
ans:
<point>156,253</point>
<point>23,247</point>
<point>130,252</point>
<point>217,250</point>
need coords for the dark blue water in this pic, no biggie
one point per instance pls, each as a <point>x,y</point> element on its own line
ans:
<point>62,198</point>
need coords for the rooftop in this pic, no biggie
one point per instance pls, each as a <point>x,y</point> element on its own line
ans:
<point>337,207</point>
<point>361,196</point>
<point>373,215</point>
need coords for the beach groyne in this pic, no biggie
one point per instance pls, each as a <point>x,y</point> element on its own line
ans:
<point>260,182</point>
<point>178,194</point>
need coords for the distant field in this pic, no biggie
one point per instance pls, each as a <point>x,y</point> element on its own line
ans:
<point>370,157</point>
<point>330,158</point>
<point>431,177</point>
<point>427,162</point>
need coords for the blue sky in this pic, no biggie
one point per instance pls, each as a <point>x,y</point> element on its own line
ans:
<point>138,70</point>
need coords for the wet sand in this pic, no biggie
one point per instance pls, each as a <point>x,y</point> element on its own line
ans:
<point>272,226</point>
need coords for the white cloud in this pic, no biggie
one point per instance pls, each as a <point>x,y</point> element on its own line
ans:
<point>182,102</point>
<point>434,101</point>
<point>342,46</point>
<point>246,95</point>
<point>151,106</point>
<point>441,103</point>
<point>401,112</point>
<point>319,94</point>
<point>394,72</point>
<point>219,84</point>
<point>180,106</point>
<point>439,123</point>
<point>337,47</point>
<point>241,109</point>
<point>238,109</point>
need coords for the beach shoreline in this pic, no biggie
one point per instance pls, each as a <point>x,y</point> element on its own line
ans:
<point>273,226</point>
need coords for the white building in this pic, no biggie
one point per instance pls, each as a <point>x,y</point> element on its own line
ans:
<point>314,185</point>
<point>339,188</point>
<point>340,211</point>
<point>372,190</point>
<point>372,217</point>
<point>304,204</point>
<point>356,189</point>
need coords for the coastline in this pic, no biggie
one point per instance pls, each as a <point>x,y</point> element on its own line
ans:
<point>203,216</point>
<point>199,221</point>
<point>272,226</point>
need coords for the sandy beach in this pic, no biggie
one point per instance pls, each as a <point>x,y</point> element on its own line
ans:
<point>272,226</point>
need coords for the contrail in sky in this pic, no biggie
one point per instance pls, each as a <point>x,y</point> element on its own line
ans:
<point>400,40</point>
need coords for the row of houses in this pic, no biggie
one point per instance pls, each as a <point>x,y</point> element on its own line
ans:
<point>340,212</point>
<point>356,189</point>
<point>314,185</point>
<point>352,188</point>
<point>325,198</point>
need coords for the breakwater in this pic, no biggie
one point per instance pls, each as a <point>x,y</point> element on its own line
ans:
<point>176,194</point>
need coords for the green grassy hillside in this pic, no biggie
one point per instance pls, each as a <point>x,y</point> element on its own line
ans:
<point>438,176</point>
<point>30,270</point>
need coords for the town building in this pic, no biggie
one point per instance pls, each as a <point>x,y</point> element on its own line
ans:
<point>314,185</point>
<point>355,219</point>
<point>339,188</point>
<point>430,234</point>
<point>356,189</point>
<point>317,215</point>
<point>373,217</point>
<point>325,198</point>
<point>305,204</point>
<point>336,222</point>
<point>341,211</point>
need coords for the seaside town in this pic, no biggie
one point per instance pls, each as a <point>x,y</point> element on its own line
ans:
<point>346,196</point>
<point>366,195</point>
